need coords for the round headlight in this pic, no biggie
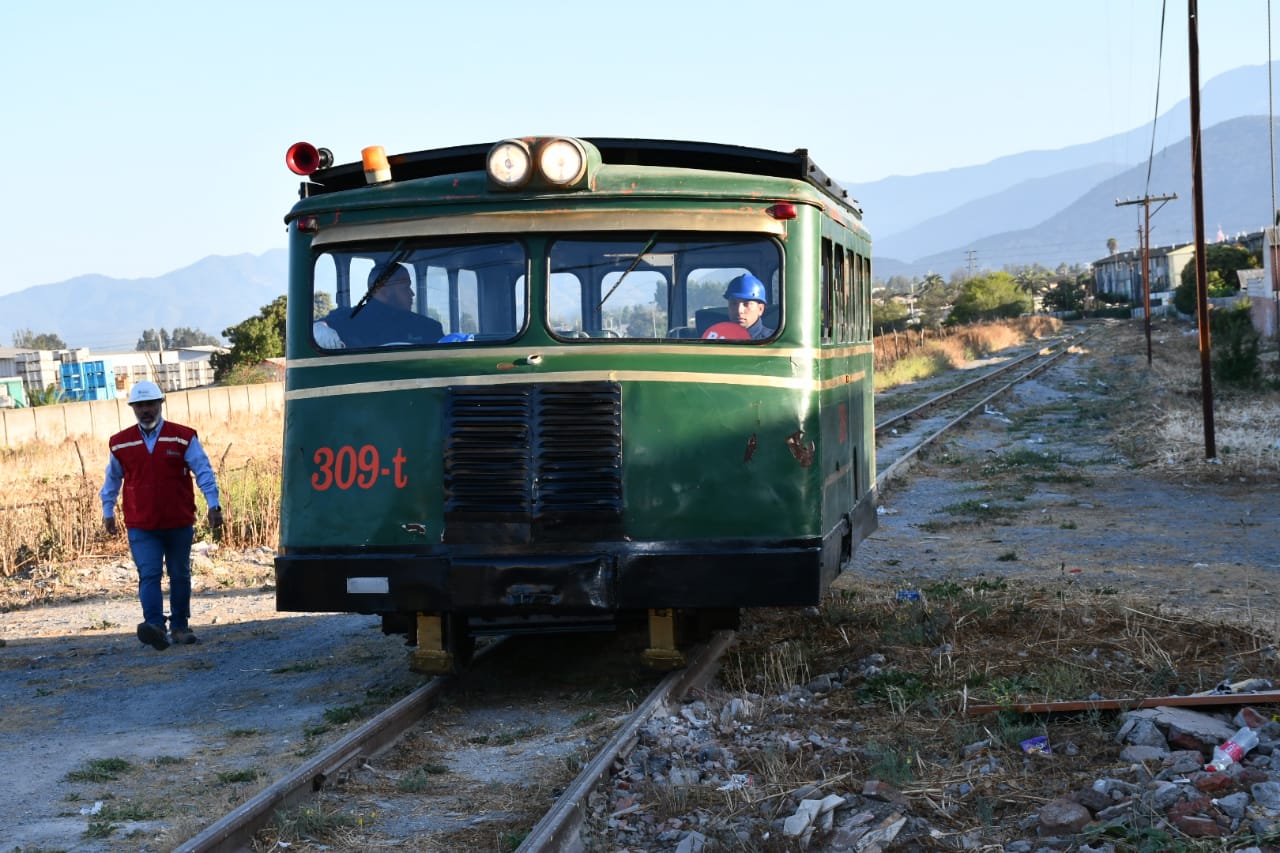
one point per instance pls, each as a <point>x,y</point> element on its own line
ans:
<point>562,161</point>
<point>509,163</point>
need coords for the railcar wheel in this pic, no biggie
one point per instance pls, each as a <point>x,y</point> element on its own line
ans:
<point>672,631</point>
<point>445,647</point>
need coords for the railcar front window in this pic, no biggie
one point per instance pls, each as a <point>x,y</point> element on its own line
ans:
<point>658,286</point>
<point>421,295</point>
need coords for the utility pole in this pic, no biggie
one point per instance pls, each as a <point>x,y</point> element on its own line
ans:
<point>1197,200</point>
<point>971,253</point>
<point>1145,201</point>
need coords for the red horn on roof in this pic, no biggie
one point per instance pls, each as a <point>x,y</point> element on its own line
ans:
<point>303,158</point>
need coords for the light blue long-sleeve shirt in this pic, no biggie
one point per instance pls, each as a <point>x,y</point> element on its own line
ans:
<point>197,460</point>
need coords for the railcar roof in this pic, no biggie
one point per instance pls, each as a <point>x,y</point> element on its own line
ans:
<point>712,156</point>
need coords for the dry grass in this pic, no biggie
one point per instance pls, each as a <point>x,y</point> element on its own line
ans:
<point>1169,431</point>
<point>989,641</point>
<point>908,357</point>
<point>51,513</point>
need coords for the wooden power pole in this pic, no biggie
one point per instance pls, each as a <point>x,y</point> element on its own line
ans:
<point>1145,201</point>
<point>1197,198</point>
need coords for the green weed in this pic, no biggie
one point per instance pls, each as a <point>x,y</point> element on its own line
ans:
<point>344,714</point>
<point>100,770</point>
<point>890,765</point>
<point>126,811</point>
<point>234,777</point>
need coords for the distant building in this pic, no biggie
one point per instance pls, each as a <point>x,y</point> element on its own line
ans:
<point>38,369</point>
<point>80,374</point>
<point>172,370</point>
<point>12,393</point>
<point>1264,290</point>
<point>1121,274</point>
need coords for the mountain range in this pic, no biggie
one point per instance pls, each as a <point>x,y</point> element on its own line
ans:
<point>1057,206</point>
<point>1046,207</point>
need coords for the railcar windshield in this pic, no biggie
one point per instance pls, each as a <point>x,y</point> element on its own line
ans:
<point>658,285</point>
<point>403,296</point>
<point>643,286</point>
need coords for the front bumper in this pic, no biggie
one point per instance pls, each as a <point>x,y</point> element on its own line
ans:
<point>585,582</point>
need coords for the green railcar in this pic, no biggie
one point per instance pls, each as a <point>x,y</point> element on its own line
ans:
<point>516,400</point>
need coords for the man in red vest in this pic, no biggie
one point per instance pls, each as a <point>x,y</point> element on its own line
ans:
<point>154,463</point>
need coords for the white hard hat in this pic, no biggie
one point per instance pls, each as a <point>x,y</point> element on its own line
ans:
<point>145,391</point>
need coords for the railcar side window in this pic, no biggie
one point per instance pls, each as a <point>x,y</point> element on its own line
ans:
<point>395,296</point>
<point>657,286</point>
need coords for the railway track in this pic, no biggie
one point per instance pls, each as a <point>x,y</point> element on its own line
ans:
<point>901,436</point>
<point>321,774</point>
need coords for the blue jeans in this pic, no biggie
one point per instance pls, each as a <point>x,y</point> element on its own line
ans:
<point>152,551</point>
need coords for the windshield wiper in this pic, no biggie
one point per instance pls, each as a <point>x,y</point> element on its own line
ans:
<point>383,277</point>
<point>635,263</point>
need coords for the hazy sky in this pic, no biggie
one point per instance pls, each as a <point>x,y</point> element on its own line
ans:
<point>144,136</point>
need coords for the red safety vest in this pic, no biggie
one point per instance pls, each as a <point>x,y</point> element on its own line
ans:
<point>157,491</point>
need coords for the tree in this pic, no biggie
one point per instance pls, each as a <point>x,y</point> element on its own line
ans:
<point>888,316</point>
<point>1112,245</point>
<point>1184,295</point>
<point>934,298</point>
<point>152,340</point>
<point>989,297</point>
<point>322,304</point>
<point>1236,347</point>
<point>184,337</point>
<point>1032,281</point>
<point>1067,294</point>
<point>252,342</point>
<point>160,339</point>
<point>50,396</point>
<point>1224,260</point>
<point>26,339</point>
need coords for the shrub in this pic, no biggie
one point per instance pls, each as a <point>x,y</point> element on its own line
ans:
<point>1235,347</point>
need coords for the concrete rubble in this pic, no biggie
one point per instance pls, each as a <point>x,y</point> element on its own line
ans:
<point>682,787</point>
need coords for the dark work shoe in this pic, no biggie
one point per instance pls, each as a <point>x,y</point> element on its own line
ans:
<point>183,637</point>
<point>153,636</point>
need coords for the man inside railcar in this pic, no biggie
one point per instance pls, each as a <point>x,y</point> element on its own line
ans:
<point>747,297</point>
<point>385,316</point>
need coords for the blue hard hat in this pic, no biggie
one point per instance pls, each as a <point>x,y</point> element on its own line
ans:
<point>456,337</point>
<point>746,286</point>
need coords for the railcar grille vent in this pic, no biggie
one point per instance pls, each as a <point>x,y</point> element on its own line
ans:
<point>527,463</point>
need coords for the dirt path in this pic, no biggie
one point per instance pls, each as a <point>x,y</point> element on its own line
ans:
<point>1038,488</point>
<point>195,725</point>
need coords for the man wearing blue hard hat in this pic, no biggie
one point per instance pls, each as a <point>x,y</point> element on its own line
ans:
<point>747,297</point>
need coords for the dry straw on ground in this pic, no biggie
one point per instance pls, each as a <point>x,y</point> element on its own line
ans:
<point>50,513</point>
<point>1166,427</point>
<point>902,357</point>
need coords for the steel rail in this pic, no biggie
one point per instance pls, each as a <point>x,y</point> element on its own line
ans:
<point>234,831</point>
<point>898,465</point>
<point>1064,344</point>
<point>559,829</point>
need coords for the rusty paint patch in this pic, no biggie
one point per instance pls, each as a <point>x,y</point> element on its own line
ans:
<point>751,448</point>
<point>801,451</point>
